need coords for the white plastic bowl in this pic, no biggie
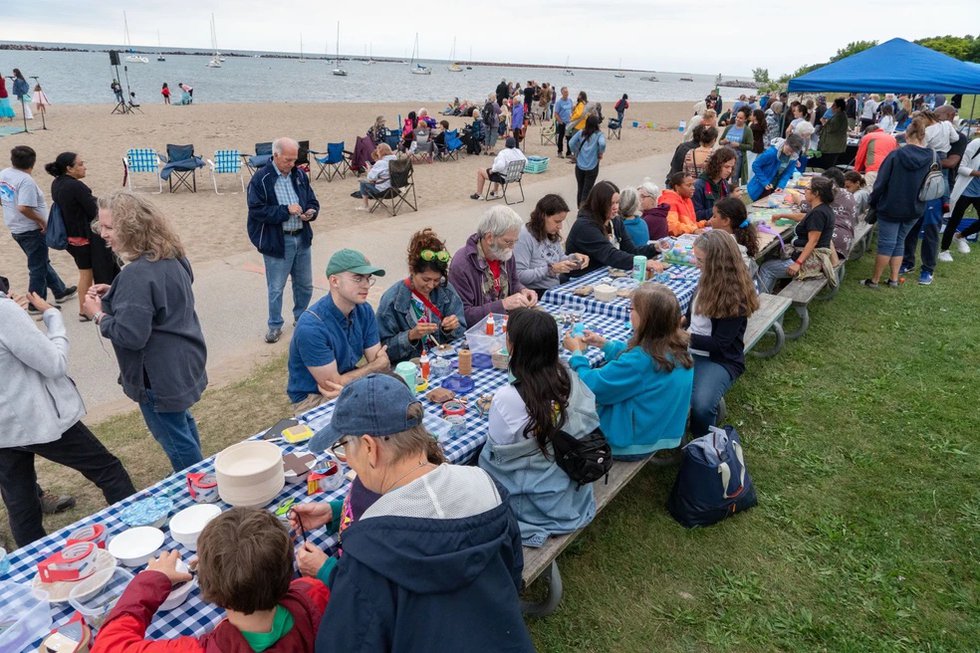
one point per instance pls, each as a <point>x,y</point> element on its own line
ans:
<point>178,594</point>
<point>186,525</point>
<point>249,474</point>
<point>135,547</point>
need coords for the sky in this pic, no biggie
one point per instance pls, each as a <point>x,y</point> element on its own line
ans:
<point>707,37</point>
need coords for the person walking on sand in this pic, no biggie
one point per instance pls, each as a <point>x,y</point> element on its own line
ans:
<point>165,92</point>
<point>281,205</point>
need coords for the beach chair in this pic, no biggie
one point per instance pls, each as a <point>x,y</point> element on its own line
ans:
<point>548,133</point>
<point>512,174</point>
<point>394,139</point>
<point>402,177</point>
<point>180,169</point>
<point>424,152</point>
<point>333,163</point>
<point>361,158</point>
<point>615,129</point>
<point>142,160</point>
<point>454,144</point>
<point>303,156</point>
<point>226,162</point>
<point>262,156</point>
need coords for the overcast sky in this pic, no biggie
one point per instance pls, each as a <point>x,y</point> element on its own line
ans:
<point>699,37</point>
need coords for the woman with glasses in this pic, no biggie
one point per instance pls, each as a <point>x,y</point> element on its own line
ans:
<point>422,310</point>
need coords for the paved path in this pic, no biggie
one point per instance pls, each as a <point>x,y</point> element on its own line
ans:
<point>230,292</point>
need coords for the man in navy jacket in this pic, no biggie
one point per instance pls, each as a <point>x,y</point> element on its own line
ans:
<point>281,205</point>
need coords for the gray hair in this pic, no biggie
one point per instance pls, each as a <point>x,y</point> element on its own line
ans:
<point>282,142</point>
<point>499,220</point>
<point>647,187</point>
<point>629,203</point>
<point>795,141</point>
<point>777,107</point>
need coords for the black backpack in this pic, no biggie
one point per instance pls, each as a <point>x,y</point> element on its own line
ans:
<point>487,114</point>
<point>586,460</point>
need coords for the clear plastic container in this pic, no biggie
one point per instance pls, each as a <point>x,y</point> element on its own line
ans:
<point>480,342</point>
<point>25,616</point>
<point>95,596</point>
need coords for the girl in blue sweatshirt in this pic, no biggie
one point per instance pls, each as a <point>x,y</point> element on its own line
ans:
<point>643,392</point>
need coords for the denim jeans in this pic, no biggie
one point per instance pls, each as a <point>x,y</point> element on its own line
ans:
<point>368,190</point>
<point>891,237</point>
<point>42,275</point>
<point>772,271</point>
<point>176,433</point>
<point>298,264</point>
<point>76,448</point>
<point>928,224</point>
<point>711,382</point>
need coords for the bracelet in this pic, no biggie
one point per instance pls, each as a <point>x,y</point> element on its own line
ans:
<point>799,262</point>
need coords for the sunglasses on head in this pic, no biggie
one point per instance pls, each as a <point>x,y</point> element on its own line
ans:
<point>428,255</point>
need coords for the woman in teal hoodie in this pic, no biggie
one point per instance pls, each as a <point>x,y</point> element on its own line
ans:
<point>643,392</point>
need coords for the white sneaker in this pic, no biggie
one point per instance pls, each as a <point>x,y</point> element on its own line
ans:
<point>945,256</point>
<point>961,244</point>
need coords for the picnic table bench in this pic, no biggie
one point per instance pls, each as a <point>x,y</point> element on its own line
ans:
<point>543,561</point>
<point>861,241</point>
<point>802,291</point>
<point>768,318</point>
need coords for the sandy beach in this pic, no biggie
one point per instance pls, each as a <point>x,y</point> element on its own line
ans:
<point>212,226</point>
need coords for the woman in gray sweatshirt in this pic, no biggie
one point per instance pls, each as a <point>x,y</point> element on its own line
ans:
<point>41,412</point>
<point>538,254</point>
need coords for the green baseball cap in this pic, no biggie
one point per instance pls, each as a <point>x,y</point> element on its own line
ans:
<point>349,260</point>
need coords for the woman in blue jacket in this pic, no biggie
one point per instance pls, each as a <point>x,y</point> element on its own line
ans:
<point>524,417</point>
<point>772,169</point>
<point>643,392</point>
<point>422,309</point>
<point>588,146</point>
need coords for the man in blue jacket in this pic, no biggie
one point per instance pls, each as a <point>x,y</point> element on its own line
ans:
<point>281,205</point>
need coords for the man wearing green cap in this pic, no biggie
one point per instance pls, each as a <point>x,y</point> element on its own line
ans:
<point>333,335</point>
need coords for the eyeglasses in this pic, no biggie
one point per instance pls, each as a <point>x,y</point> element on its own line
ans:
<point>337,449</point>
<point>361,279</point>
<point>428,255</point>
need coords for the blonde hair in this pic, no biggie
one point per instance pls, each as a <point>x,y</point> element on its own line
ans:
<point>140,229</point>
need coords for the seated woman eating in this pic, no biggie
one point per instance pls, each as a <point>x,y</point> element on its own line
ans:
<point>378,179</point>
<point>422,310</point>
<point>599,233</point>
<point>644,389</point>
<point>681,214</point>
<point>715,182</point>
<point>525,415</point>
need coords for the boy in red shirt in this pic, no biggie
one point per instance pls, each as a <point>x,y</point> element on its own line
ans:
<point>246,567</point>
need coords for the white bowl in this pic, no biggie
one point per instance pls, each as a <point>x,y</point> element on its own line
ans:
<point>179,594</point>
<point>186,525</point>
<point>249,474</point>
<point>135,547</point>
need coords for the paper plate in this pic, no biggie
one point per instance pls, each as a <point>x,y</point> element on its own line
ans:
<point>58,591</point>
<point>459,384</point>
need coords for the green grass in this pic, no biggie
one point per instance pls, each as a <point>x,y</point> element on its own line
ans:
<point>861,439</point>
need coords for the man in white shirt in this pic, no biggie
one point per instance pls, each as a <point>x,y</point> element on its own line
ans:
<point>495,173</point>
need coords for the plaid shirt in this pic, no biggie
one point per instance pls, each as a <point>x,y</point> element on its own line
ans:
<point>286,195</point>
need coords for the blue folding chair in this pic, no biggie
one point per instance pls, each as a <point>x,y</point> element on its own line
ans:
<point>262,156</point>
<point>335,162</point>
<point>142,160</point>
<point>454,144</point>
<point>226,162</point>
<point>394,139</point>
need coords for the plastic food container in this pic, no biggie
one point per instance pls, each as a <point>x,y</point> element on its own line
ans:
<point>480,342</point>
<point>25,615</point>
<point>95,596</point>
<point>152,511</point>
<point>604,292</point>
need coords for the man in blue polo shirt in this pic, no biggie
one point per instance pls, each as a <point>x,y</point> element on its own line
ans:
<point>334,334</point>
<point>563,114</point>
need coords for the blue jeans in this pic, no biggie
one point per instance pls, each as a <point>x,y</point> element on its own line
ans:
<point>891,237</point>
<point>711,382</point>
<point>176,433</point>
<point>297,263</point>
<point>772,271</point>
<point>370,190</point>
<point>928,224</point>
<point>42,275</point>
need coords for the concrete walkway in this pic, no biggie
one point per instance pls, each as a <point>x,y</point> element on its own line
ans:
<point>231,298</point>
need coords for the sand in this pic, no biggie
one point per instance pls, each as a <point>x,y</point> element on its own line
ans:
<point>212,226</point>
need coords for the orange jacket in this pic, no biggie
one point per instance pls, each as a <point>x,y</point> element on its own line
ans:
<point>681,218</point>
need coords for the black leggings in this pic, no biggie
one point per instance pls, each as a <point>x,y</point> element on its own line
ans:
<point>957,215</point>
<point>586,180</point>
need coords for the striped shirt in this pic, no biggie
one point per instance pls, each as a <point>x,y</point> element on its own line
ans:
<point>286,195</point>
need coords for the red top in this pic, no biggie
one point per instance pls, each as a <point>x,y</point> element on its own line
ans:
<point>495,270</point>
<point>165,92</point>
<point>3,88</point>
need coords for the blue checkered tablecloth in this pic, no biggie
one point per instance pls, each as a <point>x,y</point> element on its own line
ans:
<point>682,280</point>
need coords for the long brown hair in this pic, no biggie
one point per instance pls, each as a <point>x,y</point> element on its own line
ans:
<point>659,332</point>
<point>725,289</point>
<point>140,229</point>
<point>549,205</point>
<point>425,239</point>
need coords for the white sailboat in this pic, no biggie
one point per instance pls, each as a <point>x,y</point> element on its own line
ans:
<point>568,71</point>
<point>216,59</point>
<point>417,68</point>
<point>454,66</point>
<point>620,74</point>
<point>301,59</point>
<point>160,56</point>
<point>132,57</point>
<point>370,60</point>
<point>338,71</point>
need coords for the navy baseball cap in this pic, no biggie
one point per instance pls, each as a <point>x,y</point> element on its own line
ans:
<point>376,404</point>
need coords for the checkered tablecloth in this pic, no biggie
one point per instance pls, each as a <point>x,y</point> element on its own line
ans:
<point>683,281</point>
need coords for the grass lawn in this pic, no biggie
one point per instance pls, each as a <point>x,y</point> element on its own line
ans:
<point>861,439</point>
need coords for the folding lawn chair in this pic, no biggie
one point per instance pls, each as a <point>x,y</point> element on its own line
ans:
<point>424,152</point>
<point>454,145</point>
<point>393,139</point>
<point>360,161</point>
<point>226,162</point>
<point>402,177</point>
<point>335,161</point>
<point>181,167</point>
<point>303,156</point>
<point>615,129</point>
<point>142,160</point>
<point>263,154</point>
<point>548,133</point>
<point>512,175</point>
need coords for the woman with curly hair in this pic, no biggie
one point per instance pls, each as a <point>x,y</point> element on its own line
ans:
<point>717,317</point>
<point>715,182</point>
<point>148,315</point>
<point>423,309</point>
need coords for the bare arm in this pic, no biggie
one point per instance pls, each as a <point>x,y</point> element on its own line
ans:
<point>31,213</point>
<point>377,361</point>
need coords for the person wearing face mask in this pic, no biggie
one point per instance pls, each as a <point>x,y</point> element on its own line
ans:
<point>772,169</point>
<point>539,254</point>
<point>484,272</point>
<point>422,309</point>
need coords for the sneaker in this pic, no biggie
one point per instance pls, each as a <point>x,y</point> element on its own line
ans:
<point>273,335</point>
<point>905,269</point>
<point>70,292</point>
<point>961,244</point>
<point>36,314</point>
<point>925,278</point>
<point>475,196</point>
<point>52,505</point>
<point>868,283</point>
<point>945,256</point>
<point>561,155</point>
<point>893,284</point>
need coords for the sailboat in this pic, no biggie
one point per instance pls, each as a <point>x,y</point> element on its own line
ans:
<point>417,68</point>
<point>338,71</point>
<point>620,74</point>
<point>301,59</point>
<point>160,56</point>
<point>568,71</point>
<point>216,59</point>
<point>454,67</point>
<point>132,58</point>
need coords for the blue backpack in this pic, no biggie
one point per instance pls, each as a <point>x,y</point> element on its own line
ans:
<point>55,235</point>
<point>713,482</point>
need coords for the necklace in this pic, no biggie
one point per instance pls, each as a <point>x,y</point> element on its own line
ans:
<point>395,483</point>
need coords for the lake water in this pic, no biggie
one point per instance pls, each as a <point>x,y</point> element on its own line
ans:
<point>84,78</point>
